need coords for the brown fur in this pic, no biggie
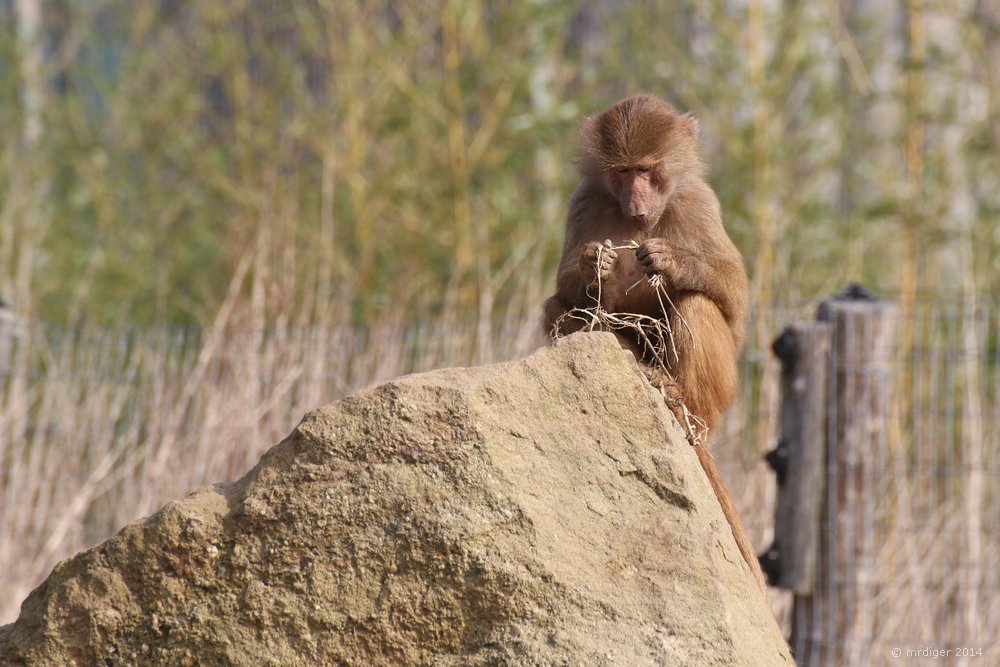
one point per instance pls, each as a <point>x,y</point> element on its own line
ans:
<point>641,179</point>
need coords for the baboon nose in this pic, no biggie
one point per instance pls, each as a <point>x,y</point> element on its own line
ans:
<point>636,212</point>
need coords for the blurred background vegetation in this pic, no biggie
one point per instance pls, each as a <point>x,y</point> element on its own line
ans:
<point>215,216</point>
<point>363,160</point>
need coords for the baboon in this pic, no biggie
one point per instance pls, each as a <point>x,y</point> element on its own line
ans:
<point>642,181</point>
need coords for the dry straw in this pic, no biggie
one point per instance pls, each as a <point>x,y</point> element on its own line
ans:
<point>655,335</point>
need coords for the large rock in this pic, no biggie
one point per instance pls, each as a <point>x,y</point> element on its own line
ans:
<point>541,512</point>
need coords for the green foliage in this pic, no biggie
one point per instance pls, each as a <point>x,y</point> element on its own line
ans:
<point>395,159</point>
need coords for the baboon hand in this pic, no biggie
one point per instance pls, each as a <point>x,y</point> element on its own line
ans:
<point>597,260</point>
<point>656,257</point>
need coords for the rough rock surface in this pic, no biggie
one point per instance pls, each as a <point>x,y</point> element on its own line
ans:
<point>546,511</point>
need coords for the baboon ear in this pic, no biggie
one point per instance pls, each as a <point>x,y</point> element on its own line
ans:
<point>588,136</point>
<point>691,124</point>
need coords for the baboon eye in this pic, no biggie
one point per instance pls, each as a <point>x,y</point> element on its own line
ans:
<point>644,170</point>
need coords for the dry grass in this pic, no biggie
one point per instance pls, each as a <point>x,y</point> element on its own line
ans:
<point>100,427</point>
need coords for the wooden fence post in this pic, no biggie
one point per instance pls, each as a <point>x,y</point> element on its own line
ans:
<point>833,618</point>
<point>804,350</point>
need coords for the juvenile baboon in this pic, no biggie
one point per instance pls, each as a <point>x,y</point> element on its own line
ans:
<point>642,181</point>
